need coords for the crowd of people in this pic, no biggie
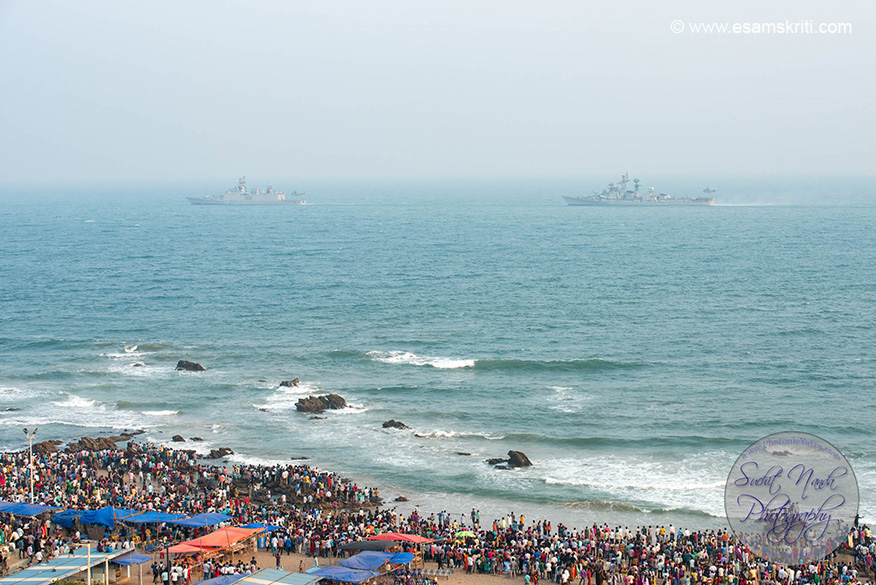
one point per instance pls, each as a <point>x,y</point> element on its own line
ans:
<point>318,512</point>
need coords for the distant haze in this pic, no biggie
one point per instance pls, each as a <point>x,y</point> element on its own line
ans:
<point>209,90</point>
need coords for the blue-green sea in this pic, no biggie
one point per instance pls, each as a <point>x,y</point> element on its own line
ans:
<point>631,353</point>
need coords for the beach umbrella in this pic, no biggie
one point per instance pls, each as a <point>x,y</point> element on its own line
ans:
<point>465,533</point>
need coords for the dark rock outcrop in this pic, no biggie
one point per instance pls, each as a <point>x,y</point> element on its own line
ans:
<point>195,439</point>
<point>462,453</point>
<point>46,447</point>
<point>219,453</point>
<point>319,404</point>
<point>515,459</point>
<point>395,424</point>
<point>316,418</point>
<point>401,499</point>
<point>518,459</point>
<point>177,439</point>
<point>91,444</point>
<point>290,383</point>
<point>138,365</point>
<point>126,435</point>
<point>190,366</point>
<point>11,409</point>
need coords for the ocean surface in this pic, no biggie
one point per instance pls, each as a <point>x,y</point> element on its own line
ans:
<point>631,353</point>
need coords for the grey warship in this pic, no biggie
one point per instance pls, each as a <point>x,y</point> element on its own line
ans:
<point>618,194</point>
<point>240,196</point>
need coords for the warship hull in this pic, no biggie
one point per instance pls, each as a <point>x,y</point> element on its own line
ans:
<point>216,201</point>
<point>593,202</point>
<point>240,196</point>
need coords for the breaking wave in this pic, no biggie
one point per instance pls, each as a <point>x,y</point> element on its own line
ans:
<point>74,401</point>
<point>408,358</point>
<point>592,364</point>
<point>399,357</point>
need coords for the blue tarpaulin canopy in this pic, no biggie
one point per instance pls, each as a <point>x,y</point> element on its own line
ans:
<point>154,517</point>
<point>344,575</point>
<point>106,516</point>
<point>264,577</point>
<point>201,520</point>
<point>223,580</point>
<point>373,560</point>
<point>67,518</point>
<point>25,509</point>
<point>264,527</point>
<point>132,558</point>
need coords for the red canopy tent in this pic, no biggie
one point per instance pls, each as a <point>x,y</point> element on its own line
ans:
<point>414,538</point>
<point>216,540</point>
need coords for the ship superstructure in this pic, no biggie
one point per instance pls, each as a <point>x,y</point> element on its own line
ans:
<point>618,194</point>
<point>240,196</point>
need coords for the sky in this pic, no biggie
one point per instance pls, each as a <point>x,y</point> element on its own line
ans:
<point>191,90</point>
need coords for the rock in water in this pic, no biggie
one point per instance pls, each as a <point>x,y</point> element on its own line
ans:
<point>336,402</point>
<point>518,459</point>
<point>318,404</point>
<point>189,366</point>
<point>290,383</point>
<point>219,453</point>
<point>45,447</point>
<point>178,439</point>
<point>395,424</point>
<point>89,444</point>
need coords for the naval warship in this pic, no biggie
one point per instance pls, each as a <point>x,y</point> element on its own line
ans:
<point>240,196</point>
<point>618,194</point>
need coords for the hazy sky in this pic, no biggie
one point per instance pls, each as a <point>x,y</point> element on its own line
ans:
<point>193,90</point>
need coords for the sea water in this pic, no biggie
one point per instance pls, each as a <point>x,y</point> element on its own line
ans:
<point>631,353</point>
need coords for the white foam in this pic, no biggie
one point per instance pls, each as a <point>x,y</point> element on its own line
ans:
<point>694,482</point>
<point>160,412</point>
<point>408,358</point>
<point>140,371</point>
<point>9,391</point>
<point>74,401</point>
<point>130,349</point>
<point>349,409</point>
<point>441,434</point>
<point>285,397</point>
<point>245,459</point>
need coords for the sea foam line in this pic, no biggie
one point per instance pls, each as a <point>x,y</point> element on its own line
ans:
<point>408,358</point>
